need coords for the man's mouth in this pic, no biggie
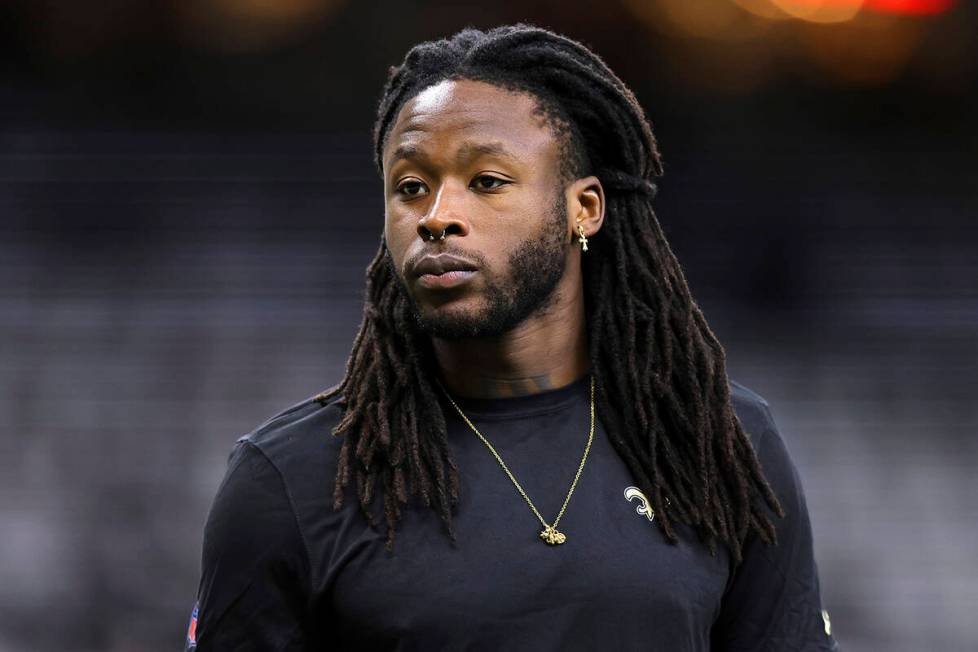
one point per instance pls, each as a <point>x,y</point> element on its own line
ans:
<point>443,271</point>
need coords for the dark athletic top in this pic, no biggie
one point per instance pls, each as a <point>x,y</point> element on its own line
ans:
<point>283,571</point>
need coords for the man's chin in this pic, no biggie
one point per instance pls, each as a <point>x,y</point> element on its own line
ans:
<point>454,324</point>
<point>493,318</point>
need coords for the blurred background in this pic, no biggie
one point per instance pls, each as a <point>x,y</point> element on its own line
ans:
<point>187,206</point>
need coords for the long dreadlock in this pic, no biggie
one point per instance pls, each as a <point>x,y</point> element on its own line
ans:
<point>662,389</point>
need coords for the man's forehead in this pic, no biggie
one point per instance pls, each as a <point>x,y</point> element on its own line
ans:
<point>467,95</point>
<point>476,116</point>
<point>435,97</point>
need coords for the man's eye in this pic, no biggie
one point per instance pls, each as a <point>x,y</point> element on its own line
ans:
<point>486,182</point>
<point>411,188</point>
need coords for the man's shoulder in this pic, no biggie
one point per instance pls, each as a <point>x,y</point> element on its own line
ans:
<point>753,411</point>
<point>300,436</point>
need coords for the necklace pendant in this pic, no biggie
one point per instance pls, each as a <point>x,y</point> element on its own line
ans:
<point>552,537</point>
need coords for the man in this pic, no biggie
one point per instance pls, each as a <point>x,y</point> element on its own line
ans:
<point>535,445</point>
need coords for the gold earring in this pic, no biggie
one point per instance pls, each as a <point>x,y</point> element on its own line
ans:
<point>582,238</point>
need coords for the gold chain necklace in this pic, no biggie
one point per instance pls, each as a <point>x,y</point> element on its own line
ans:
<point>550,534</point>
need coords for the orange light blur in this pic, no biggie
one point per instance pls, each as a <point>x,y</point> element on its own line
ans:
<point>911,7</point>
<point>762,8</point>
<point>839,11</point>
<point>251,25</point>
<point>820,11</point>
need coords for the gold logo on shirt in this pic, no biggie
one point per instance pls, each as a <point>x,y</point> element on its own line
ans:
<point>643,507</point>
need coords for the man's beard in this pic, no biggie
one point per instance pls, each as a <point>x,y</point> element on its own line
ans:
<point>533,272</point>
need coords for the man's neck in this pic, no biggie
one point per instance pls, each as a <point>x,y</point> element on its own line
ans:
<point>545,352</point>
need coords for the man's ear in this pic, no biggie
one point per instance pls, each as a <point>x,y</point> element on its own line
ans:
<point>585,206</point>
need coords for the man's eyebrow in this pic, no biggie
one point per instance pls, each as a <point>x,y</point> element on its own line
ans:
<point>471,149</point>
<point>468,150</point>
<point>407,151</point>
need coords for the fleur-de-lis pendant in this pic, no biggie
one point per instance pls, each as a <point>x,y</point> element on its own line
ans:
<point>552,537</point>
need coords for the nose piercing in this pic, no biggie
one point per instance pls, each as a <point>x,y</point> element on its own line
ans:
<point>431,236</point>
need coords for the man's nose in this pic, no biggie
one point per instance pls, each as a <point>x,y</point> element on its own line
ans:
<point>446,215</point>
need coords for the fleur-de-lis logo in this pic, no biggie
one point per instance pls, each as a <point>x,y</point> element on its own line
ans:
<point>643,507</point>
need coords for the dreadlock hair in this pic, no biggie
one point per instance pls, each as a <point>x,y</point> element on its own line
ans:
<point>662,389</point>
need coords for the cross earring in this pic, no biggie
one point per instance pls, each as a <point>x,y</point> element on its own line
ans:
<point>582,238</point>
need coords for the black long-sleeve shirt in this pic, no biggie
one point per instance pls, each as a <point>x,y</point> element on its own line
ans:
<point>283,571</point>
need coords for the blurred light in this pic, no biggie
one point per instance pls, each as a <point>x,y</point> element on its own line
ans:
<point>762,8</point>
<point>820,11</point>
<point>736,45</point>
<point>911,7</point>
<point>704,19</point>
<point>247,25</point>
<point>714,44</point>
<point>840,11</point>
<point>873,50</point>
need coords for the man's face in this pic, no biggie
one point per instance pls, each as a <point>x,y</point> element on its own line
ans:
<point>479,164</point>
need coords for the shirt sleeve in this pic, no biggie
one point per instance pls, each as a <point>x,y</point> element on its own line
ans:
<point>254,583</point>
<point>772,602</point>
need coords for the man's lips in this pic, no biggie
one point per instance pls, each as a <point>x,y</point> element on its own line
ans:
<point>446,280</point>
<point>443,271</point>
